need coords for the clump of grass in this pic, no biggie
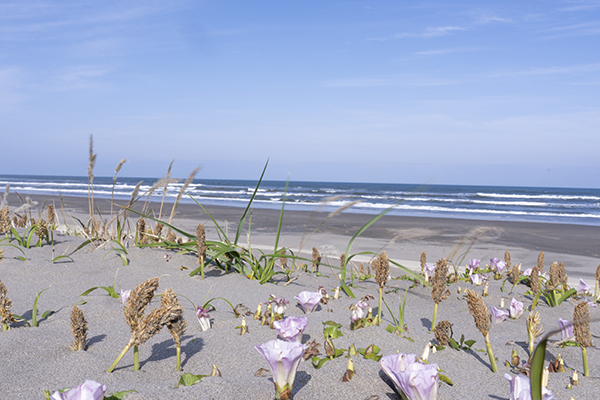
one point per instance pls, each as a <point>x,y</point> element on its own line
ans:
<point>79,329</point>
<point>483,322</point>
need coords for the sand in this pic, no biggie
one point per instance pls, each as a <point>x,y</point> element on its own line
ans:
<point>34,359</point>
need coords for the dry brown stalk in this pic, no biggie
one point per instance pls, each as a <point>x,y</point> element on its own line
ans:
<point>423,261</point>
<point>51,213</point>
<point>90,171</point>
<point>534,329</point>
<point>439,291</point>
<point>138,300</point>
<point>41,228</point>
<point>157,231</point>
<point>581,324</point>
<point>540,262</point>
<point>443,331</point>
<point>79,329</point>
<point>201,242</point>
<point>343,260</point>
<point>479,311</point>
<point>598,273</point>
<point>316,259</point>
<point>141,229</point>
<point>534,280</point>
<point>507,260</point>
<point>5,305</point>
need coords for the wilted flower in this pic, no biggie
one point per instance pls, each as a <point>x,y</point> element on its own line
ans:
<point>476,279</point>
<point>516,308</point>
<point>125,295</point>
<point>583,287</point>
<point>203,318</point>
<point>498,315</point>
<point>520,388</point>
<point>291,328</point>
<point>89,390</point>
<point>566,329</point>
<point>358,310</point>
<point>278,305</point>
<point>283,358</point>
<point>473,265</point>
<point>308,301</point>
<point>418,381</point>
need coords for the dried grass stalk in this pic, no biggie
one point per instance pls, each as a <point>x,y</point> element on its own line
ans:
<point>79,329</point>
<point>581,329</point>
<point>423,261</point>
<point>507,260</point>
<point>440,292</point>
<point>382,269</point>
<point>201,241</point>
<point>483,322</point>
<point>316,259</point>
<point>5,305</point>
<point>138,300</point>
<point>534,280</point>
<point>141,229</point>
<point>186,184</point>
<point>540,262</point>
<point>443,331</point>
<point>51,214</point>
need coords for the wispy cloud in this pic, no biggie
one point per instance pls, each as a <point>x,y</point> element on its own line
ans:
<point>581,29</point>
<point>549,71</point>
<point>394,80</point>
<point>581,5</point>
<point>81,77</point>
<point>443,51</point>
<point>427,33</point>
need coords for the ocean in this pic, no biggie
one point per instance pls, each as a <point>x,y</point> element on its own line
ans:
<point>556,205</point>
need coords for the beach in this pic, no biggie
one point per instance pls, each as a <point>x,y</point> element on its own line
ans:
<point>38,358</point>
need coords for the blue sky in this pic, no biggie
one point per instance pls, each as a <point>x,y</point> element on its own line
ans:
<point>495,93</point>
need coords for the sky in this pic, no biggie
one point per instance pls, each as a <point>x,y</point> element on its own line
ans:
<point>464,92</point>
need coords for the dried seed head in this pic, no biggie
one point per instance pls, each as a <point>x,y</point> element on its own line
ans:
<point>540,262</point>
<point>534,324</point>
<point>382,269</point>
<point>201,241</point>
<point>423,261</point>
<point>443,331</point>
<point>534,280</point>
<point>439,292</point>
<point>316,259</point>
<point>581,324</point>
<point>150,325</point>
<point>343,260</point>
<point>79,329</point>
<point>157,231</point>
<point>41,228</point>
<point>507,260</point>
<point>23,222</point>
<point>175,322</point>
<point>361,269</point>
<point>598,273</point>
<point>138,300</point>
<point>4,220</point>
<point>51,215</point>
<point>118,167</point>
<point>479,312</point>
<point>5,305</point>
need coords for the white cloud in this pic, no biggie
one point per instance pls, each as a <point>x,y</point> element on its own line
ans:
<point>80,77</point>
<point>427,33</point>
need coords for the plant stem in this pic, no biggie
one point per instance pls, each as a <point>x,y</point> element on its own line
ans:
<point>201,268</point>
<point>378,321</point>
<point>586,368</point>
<point>136,358</point>
<point>4,326</point>
<point>435,307</point>
<point>490,352</point>
<point>178,358</point>
<point>114,364</point>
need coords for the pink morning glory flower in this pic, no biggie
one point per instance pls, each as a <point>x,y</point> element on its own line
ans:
<point>418,381</point>
<point>520,388</point>
<point>516,308</point>
<point>89,390</point>
<point>583,287</point>
<point>473,264</point>
<point>498,315</point>
<point>203,318</point>
<point>566,329</point>
<point>308,301</point>
<point>283,358</point>
<point>291,328</point>
<point>125,295</point>
<point>476,279</point>
<point>358,310</point>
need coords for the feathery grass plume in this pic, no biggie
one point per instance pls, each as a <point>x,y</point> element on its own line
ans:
<point>186,184</point>
<point>51,213</point>
<point>133,310</point>
<point>562,276</point>
<point>4,220</point>
<point>133,199</point>
<point>4,200</point>
<point>41,229</point>
<point>343,260</point>
<point>79,329</point>
<point>423,261</point>
<point>112,194</point>
<point>540,262</point>
<point>175,325</point>
<point>157,231</point>
<point>316,259</point>
<point>439,292</point>
<point>597,283</point>
<point>90,171</point>
<point>201,247</point>
<point>534,280</point>
<point>381,265</point>
<point>141,230</point>
<point>5,305</point>
<point>164,183</point>
<point>534,329</point>
<point>443,332</point>
<point>1,254</point>
<point>23,221</point>
<point>171,237</point>
<point>515,272</point>
<point>483,322</point>
<point>15,221</point>
<point>507,260</point>
<point>581,329</point>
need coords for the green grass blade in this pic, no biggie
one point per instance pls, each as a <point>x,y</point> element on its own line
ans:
<point>537,368</point>
<point>287,182</point>
<point>34,321</point>
<point>242,221</point>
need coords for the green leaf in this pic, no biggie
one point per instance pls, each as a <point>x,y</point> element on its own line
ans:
<point>55,259</point>
<point>567,294</point>
<point>188,379</point>
<point>119,395</point>
<point>34,321</point>
<point>109,289</point>
<point>469,343</point>
<point>318,362</point>
<point>445,379</point>
<point>242,221</point>
<point>453,343</point>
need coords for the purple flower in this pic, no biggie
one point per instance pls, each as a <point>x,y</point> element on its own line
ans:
<point>358,310</point>
<point>497,265</point>
<point>527,272</point>
<point>125,295</point>
<point>429,269</point>
<point>89,390</point>
<point>498,315</point>
<point>516,308</point>
<point>203,318</point>
<point>473,264</point>
<point>520,388</point>
<point>283,358</point>
<point>476,279</point>
<point>308,301</point>
<point>416,380</point>
<point>278,305</point>
<point>566,329</point>
<point>291,328</point>
<point>583,287</point>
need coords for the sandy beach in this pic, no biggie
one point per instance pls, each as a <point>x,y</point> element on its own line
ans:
<point>38,358</point>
